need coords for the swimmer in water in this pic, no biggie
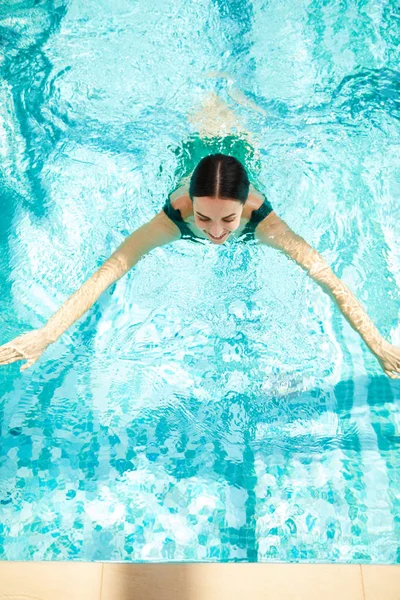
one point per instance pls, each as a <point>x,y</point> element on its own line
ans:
<point>217,203</point>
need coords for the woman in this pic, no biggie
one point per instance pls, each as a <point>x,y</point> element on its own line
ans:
<point>215,203</point>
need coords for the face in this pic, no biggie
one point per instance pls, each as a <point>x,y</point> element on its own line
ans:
<point>216,217</point>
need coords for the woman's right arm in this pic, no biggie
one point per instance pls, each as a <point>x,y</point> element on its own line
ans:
<point>157,232</point>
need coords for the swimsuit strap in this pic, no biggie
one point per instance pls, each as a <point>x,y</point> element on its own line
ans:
<point>260,213</point>
<point>175,215</point>
<point>257,216</point>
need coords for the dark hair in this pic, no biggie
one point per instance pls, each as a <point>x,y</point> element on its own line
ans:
<point>220,176</point>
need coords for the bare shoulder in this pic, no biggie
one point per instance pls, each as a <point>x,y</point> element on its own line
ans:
<point>253,202</point>
<point>180,200</point>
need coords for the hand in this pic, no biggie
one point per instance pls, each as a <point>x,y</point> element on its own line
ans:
<point>29,346</point>
<point>389,358</point>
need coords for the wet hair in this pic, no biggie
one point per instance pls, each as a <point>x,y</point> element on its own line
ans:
<point>220,176</point>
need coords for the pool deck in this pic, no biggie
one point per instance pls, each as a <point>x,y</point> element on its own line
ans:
<point>196,581</point>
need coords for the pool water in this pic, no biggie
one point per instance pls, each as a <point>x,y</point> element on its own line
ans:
<point>214,404</point>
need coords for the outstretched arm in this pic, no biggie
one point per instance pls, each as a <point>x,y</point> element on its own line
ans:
<point>275,233</point>
<point>30,346</point>
<point>157,232</point>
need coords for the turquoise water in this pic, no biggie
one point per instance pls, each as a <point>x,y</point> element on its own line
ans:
<point>213,405</point>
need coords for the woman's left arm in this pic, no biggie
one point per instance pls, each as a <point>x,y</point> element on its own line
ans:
<point>274,232</point>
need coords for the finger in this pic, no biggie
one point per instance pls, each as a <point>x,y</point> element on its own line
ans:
<point>28,364</point>
<point>9,355</point>
<point>6,351</point>
<point>391,375</point>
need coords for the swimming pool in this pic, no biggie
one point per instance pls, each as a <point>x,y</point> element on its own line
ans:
<point>214,405</point>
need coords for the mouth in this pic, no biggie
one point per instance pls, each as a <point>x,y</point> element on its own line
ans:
<point>217,239</point>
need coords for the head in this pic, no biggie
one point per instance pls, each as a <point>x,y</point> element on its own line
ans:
<point>218,188</point>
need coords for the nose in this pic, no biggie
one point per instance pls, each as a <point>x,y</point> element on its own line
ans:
<point>217,231</point>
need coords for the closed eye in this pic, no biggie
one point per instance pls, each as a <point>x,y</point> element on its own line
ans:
<point>225,220</point>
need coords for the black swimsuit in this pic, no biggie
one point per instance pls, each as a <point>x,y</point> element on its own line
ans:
<point>247,234</point>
